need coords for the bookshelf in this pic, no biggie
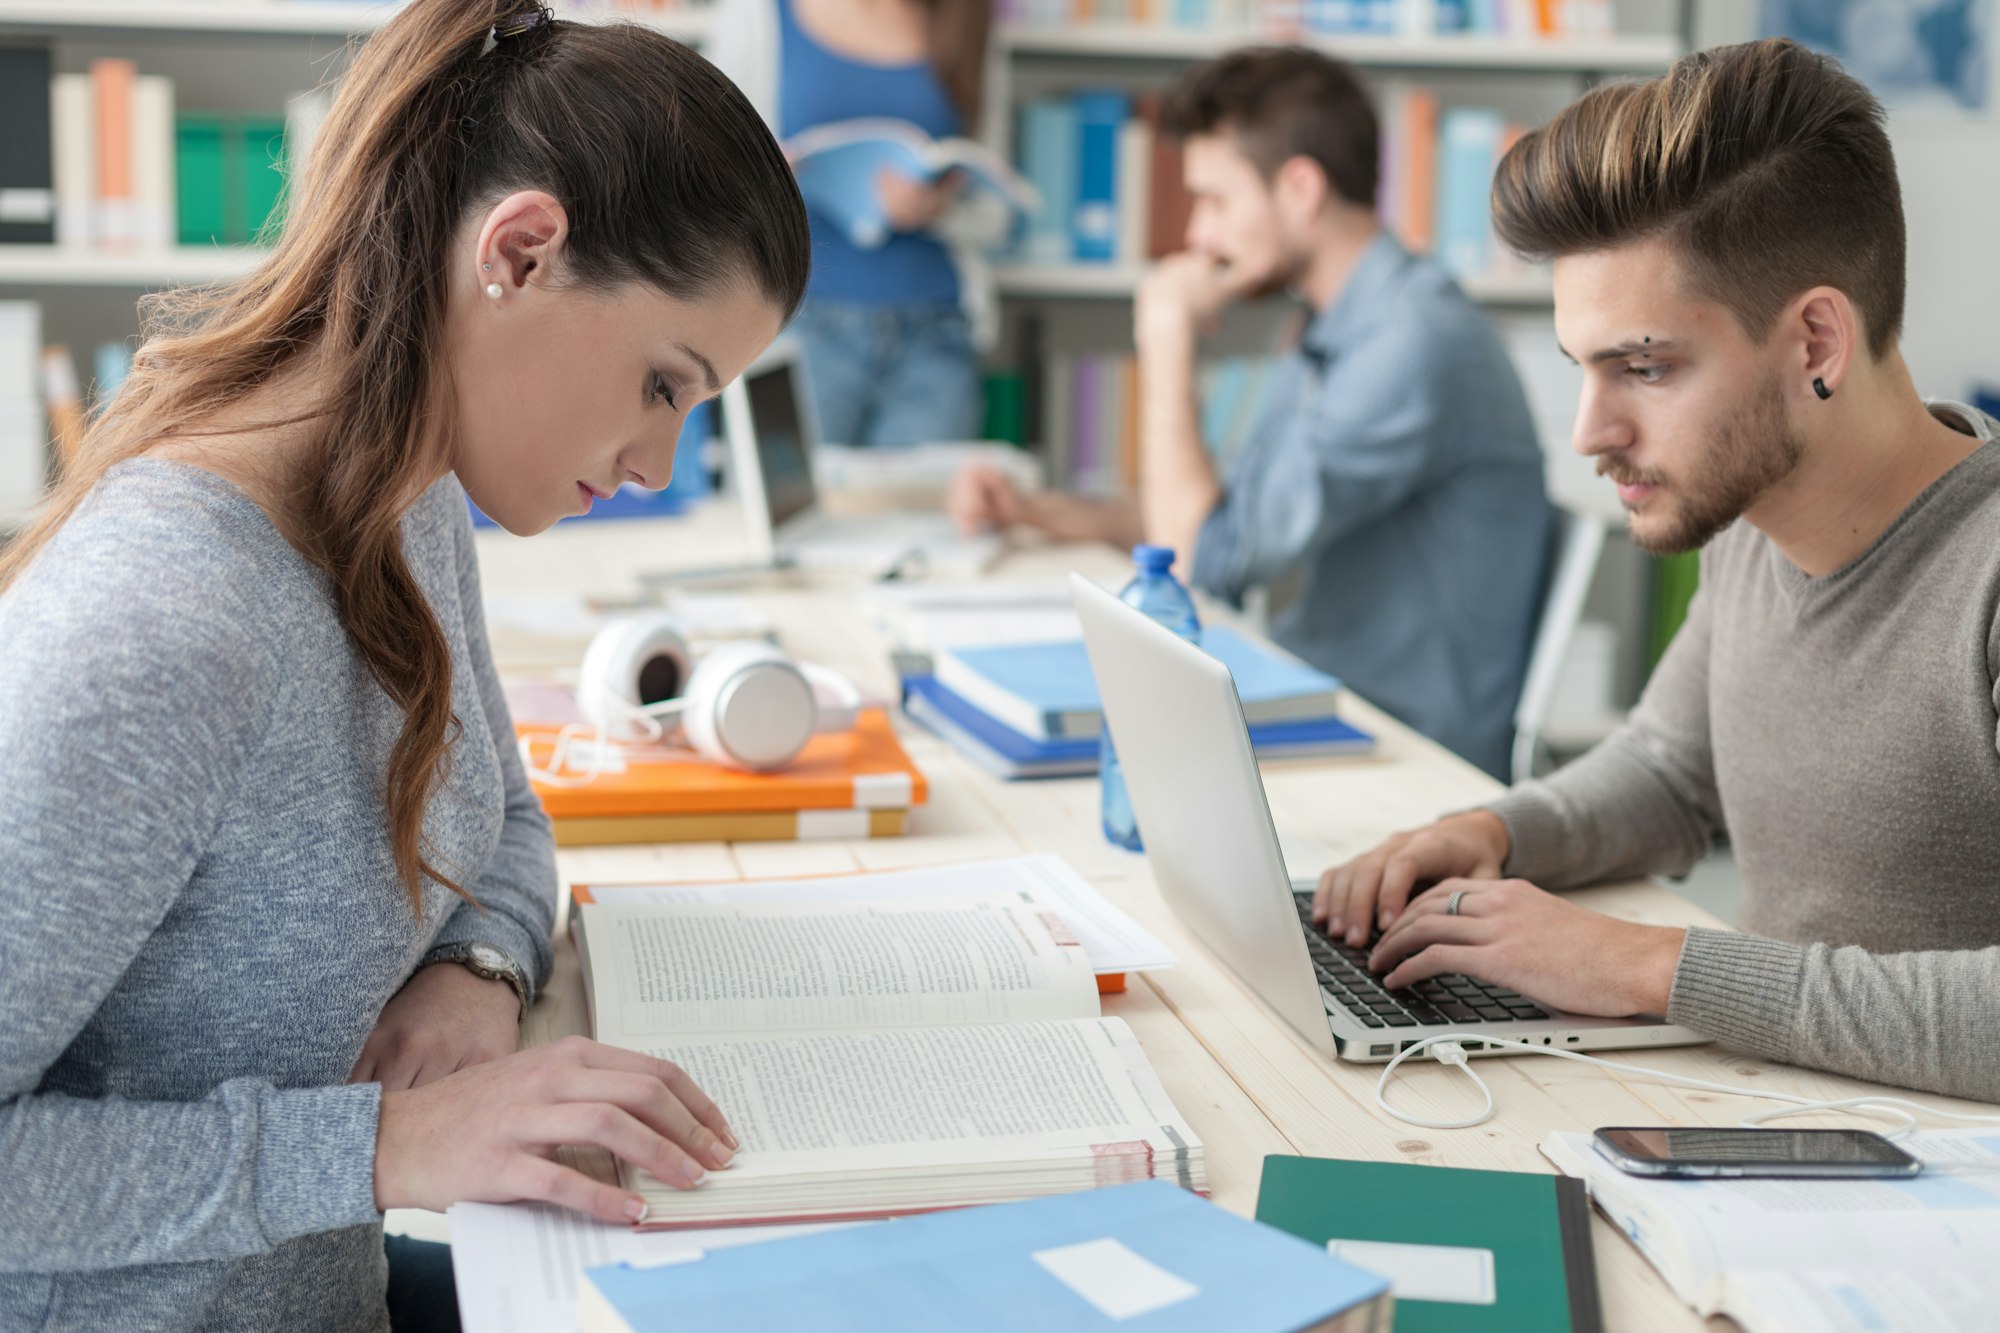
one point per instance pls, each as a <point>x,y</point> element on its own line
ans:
<point>1639,53</point>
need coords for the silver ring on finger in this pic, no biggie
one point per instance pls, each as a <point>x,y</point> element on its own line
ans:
<point>1451,904</point>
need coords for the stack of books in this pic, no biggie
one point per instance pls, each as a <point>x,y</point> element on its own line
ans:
<point>850,784</point>
<point>1031,710</point>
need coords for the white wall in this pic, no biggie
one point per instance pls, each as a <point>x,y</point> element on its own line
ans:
<point>1950,168</point>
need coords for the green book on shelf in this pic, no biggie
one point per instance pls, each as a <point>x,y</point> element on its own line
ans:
<point>229,175</point>
<point>1464,1251</point>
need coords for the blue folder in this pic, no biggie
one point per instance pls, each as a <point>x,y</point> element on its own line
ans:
<point>1141,1258</point>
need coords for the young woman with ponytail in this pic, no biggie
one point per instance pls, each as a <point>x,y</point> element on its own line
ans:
<point>276,888</point>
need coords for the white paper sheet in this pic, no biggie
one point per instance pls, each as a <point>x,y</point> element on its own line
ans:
<point>517,1266</point>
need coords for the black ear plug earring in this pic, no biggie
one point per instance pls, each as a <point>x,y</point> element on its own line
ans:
<point>1819,387</point>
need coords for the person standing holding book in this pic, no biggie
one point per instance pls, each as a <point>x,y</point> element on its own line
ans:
<point>277,889</point>
<point>1393,476</point>
<point>891,333</point>
<point>1728,245</point>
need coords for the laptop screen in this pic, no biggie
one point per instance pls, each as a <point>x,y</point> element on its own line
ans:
<point>776,416</point>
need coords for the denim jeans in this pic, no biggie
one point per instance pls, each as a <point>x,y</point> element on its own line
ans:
<point>891,375</point>
<point>422,1297</point>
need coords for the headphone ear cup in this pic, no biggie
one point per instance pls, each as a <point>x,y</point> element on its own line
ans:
<point>749,707</point>
<point>633,661</point>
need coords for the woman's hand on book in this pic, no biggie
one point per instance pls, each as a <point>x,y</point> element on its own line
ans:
<point>489,1133</point>
<point>446,1018</point>
<point>912,205</point>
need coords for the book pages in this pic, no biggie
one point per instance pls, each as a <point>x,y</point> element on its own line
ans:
<point>661,971</point>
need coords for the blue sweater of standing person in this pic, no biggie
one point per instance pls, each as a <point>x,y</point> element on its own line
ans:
<point>201,918</point>
<point>819,87</point>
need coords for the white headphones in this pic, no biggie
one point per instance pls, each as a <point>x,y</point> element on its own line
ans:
<point>742,705</point>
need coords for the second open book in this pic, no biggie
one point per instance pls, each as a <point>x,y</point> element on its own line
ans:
<point>934,1045</point>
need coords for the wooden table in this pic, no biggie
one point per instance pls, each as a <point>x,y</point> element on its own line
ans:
<point>1248,1084</point>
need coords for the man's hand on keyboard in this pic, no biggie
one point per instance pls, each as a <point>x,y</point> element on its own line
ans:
<point>1512,934</point>
<point>1373,888</point>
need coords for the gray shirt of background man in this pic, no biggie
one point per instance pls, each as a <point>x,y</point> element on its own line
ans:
<point>1395,467</point>
<point>201,918</point>
<point>1845,731</point>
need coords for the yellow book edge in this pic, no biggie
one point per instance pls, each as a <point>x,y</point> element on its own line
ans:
<point>742,826</point>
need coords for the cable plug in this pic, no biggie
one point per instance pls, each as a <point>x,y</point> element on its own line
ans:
<point>1449,1053</point>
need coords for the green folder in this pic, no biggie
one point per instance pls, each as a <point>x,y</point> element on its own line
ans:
<point>1536,1228</point>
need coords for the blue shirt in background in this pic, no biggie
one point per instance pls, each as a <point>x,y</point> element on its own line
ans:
<point>817,87</point>
<point>1395,468</point>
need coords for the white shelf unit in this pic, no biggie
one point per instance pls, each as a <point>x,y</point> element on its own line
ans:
<point>59,266</point>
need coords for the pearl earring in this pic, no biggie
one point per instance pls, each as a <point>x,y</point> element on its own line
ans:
<point>493,290</point>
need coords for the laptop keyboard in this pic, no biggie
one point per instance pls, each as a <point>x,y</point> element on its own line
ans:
<point>1444,1000</point>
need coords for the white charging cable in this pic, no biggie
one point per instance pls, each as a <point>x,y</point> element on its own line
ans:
<point>564,771</point>
<point>1448,1048</point>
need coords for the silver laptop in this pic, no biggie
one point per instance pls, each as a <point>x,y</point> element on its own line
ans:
<point>773,434</point>
<point>1200,803</point>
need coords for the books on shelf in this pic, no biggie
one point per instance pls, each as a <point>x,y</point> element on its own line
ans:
<point>27,175</point>
<point>848,784</point>
<point>837,165</point>
<point>1046,690</point>
<point>883,1056</point>
<point>130,171</point>
<point>1851,1256</point>
<point>1498,20</point>
<point>1464,1251</point>
<point>1146,1257</point>
<point>1009,754</point>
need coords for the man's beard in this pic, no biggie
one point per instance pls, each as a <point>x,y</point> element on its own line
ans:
<point>1743,459</point>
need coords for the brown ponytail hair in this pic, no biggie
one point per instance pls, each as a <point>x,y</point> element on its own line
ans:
<point>669,179</point>
<point>960,31</point>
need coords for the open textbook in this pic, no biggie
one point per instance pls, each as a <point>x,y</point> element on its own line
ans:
<point>837,164</point>
<point>1848,1256</point>
<point>881,1056</point>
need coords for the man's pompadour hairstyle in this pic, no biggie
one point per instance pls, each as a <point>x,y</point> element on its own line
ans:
<point>1765,166</point>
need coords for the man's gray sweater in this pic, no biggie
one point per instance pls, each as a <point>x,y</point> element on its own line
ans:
<point>200,919</point>
<point>1845,731</point>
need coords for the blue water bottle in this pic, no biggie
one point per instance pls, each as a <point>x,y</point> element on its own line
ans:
<point>1155,591</point>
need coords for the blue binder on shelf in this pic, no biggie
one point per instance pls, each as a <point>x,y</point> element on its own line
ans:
<point>1142,1258</point>
<point>1094,225</point>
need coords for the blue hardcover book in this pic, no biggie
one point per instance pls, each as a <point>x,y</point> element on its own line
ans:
<point>1468,143</point>
<point>1094,221</point>
<point>1046,690</point>
<point>1142,1258</point>
<point>1008,754</point>
<point>1048,160</point>
<point>838,164</point>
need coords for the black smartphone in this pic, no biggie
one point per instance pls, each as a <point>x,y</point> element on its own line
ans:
<point>1755,1152</point>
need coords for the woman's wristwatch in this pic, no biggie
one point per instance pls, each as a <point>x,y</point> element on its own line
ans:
<point>486,960</point>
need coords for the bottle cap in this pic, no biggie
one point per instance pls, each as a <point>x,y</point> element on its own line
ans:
<point>1153,559</point>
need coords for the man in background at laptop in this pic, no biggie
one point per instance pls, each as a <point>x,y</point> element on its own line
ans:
<point>1394,467</point>
<point>1729,247</point>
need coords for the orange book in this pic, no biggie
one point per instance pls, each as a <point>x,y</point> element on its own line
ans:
<point>1419,173</point>
<point>111,84</point>
<point>863,769</point>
